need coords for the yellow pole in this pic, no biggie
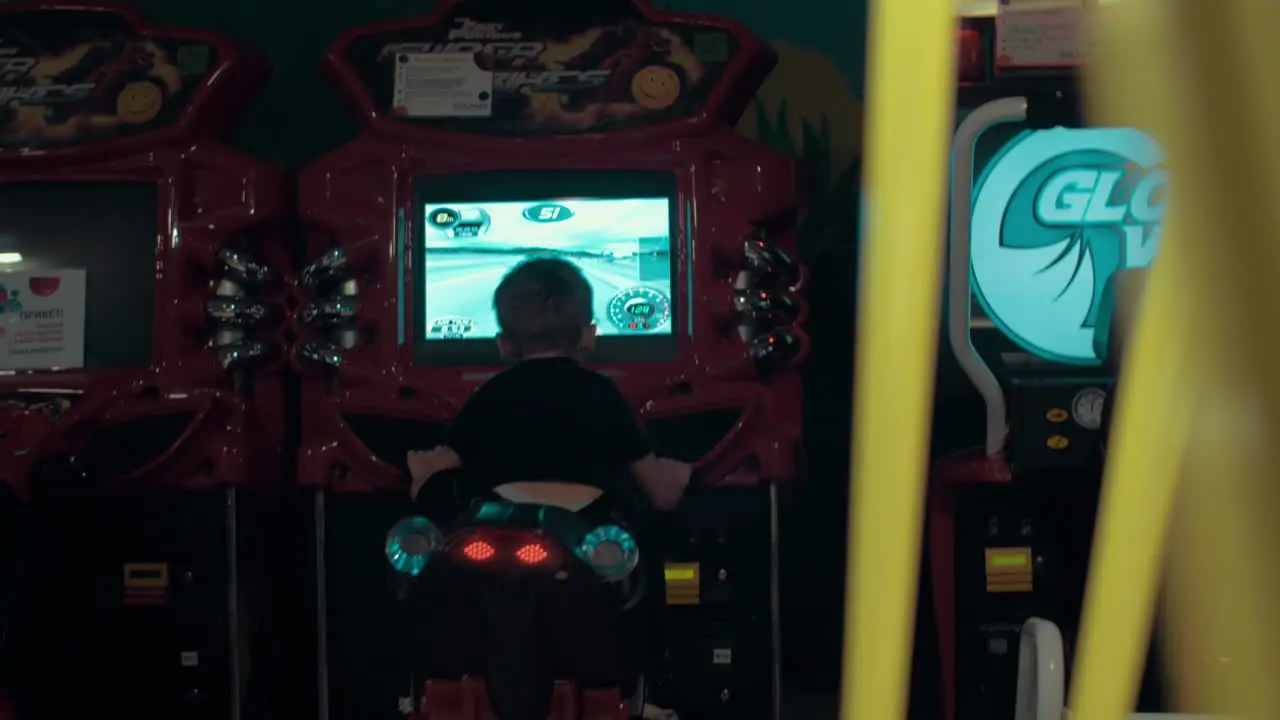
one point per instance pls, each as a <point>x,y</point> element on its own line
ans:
<point>910,101</point>
<point>1197,74</point>
<point>1150,426</point>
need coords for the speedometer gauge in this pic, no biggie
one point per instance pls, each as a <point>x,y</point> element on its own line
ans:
<point>639,310</point>
<point>1087,408</point>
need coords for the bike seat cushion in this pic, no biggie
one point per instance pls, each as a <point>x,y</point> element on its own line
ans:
<point>453,495</point>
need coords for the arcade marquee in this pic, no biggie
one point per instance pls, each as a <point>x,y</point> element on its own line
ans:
<point>601,134</point>
<point>1056,212</point>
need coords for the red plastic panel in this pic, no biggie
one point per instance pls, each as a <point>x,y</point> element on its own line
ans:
<point>469,700</point>
<point>945,480</point>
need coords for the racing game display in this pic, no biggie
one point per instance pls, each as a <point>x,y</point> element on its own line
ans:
<point>622,246</point>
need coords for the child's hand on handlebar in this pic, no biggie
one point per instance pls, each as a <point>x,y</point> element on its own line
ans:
<point>425,463</point>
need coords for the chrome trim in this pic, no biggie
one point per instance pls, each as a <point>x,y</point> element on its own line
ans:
<point>233,602</point>
<point>322,612</point>
<point>775,603</point>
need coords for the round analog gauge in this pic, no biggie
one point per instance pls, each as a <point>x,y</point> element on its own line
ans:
<point>639,309</point>
<point>1087,407</point>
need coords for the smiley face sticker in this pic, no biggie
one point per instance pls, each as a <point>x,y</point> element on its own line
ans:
<point>655,87</point>
<point>139,102</point>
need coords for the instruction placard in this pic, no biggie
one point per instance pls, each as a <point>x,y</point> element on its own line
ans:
<point>1039,34</point>
<point>42,319</point>
<point>442,85</point>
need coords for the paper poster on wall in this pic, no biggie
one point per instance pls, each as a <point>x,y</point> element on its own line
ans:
<point>1039,34</point>
<point>42,317</point>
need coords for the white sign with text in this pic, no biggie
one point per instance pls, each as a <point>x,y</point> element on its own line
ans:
<point>441,85</point>
<point>42,319</point>
<point>1039,34</point>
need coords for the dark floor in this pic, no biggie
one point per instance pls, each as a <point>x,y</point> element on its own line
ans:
<point>810,706</point>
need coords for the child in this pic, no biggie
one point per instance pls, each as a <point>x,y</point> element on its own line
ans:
<point>551,423</point>
<point>548,419</point>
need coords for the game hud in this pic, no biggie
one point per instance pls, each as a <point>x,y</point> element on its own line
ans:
<point>622,246</point>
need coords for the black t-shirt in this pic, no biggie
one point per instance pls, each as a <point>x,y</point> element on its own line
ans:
<point>548,419</point>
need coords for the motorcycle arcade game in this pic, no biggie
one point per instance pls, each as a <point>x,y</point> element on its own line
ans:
<point>1044,212</point>
<point>602,134</point>
<point>134,398</point>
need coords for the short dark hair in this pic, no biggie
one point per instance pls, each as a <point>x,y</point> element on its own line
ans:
<point>543,305</point>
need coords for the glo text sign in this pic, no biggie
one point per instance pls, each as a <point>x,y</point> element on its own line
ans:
<point>1055,214</point>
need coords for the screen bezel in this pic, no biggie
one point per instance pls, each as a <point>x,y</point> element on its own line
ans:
<point>540,186</point>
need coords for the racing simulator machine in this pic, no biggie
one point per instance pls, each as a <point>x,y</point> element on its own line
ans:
<point>493,132</point>
<point>140,409</point>
<point>1043,212</point>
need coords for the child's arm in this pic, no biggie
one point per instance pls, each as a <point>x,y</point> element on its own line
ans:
<point>425,463</point>
<point>457,445</point>
<point>663,480</point>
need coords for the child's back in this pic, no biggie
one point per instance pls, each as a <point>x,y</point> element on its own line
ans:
<point>548,418</point>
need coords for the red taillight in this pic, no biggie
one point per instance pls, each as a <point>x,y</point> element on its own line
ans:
<point>478,550</point>
<point>532,554</point>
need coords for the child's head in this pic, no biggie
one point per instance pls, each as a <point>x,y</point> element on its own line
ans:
<point>544,308</point>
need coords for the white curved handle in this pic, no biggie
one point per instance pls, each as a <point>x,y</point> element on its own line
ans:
<point>1042,679</point>
<point>959,289</point>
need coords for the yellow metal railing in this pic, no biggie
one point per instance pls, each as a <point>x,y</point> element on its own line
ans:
<point>911,61</point>
<point>1201,398</point>
<point>1197,413</point>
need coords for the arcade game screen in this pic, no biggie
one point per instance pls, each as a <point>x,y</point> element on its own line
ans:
<point>1056,212</point>
<point>623,245</point>
<point>106,229</point>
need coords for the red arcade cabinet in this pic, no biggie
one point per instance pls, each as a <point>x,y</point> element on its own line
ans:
<point>602,133</point>
<point>139,411</point>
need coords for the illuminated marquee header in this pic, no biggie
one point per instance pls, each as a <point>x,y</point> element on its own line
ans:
<point>1055,214</point>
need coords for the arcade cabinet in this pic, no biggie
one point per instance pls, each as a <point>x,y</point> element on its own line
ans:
<point>495,131</point>
<point>139,410</point>
<point>1044,212</point>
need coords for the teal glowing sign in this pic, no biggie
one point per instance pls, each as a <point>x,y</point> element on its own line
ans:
<point>1055,214</point>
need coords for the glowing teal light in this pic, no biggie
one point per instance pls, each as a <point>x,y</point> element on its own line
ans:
<point>1055,214</point>
<point>621,556</point>
<point>410,544</point>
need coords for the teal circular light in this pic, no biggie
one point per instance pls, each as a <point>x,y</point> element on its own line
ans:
<point>411,543</point>
<point>610,551</point>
